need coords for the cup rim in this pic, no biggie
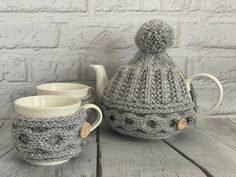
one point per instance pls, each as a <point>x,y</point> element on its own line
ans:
<point>41,87</point>
<point>18,102</point>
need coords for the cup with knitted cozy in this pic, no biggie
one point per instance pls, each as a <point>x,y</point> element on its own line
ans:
<point>50,129</point>
<point>75,90</point>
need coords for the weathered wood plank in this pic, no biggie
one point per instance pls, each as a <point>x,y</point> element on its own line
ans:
<point>5,139</point>
<point>126,156</point>
<point>217,158</point>
<point>223,130</point>
<point>233,120</point>
<point>11,166</point>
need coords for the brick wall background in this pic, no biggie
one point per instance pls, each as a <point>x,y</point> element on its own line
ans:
<point>56,40</point>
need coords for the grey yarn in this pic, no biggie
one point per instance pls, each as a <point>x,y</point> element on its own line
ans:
<point>154,36</point>
<point>90,98</point>
<point>148,126</point>
<point>48,139</point>
<point>147,97</point>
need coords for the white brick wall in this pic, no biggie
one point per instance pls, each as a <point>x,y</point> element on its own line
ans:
<point>46,41</point>
<point>28,35</point>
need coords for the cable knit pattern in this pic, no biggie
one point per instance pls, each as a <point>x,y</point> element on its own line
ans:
<point>151,88</point>
<point>48,139</point>
<point>148,126</point>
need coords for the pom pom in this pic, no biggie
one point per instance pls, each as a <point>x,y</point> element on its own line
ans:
<point>154,36</point>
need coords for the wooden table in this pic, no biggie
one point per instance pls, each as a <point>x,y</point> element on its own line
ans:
<point>207,150</point>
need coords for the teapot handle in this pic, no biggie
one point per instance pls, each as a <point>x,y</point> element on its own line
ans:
<point>219,85</point>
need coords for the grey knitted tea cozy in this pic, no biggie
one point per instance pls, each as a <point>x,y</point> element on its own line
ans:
<point>51,139</point>
<point>148,97</point>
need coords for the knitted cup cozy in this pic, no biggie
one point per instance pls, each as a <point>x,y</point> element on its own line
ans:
<point>147,97</point>
<point>90,98</point>
<point>55,138</point>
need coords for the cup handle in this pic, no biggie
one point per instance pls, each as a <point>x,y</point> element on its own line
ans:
<point>98,117</point>
<point>217,82</point>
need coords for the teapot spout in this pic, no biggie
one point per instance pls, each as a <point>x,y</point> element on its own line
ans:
<point>101,80</point>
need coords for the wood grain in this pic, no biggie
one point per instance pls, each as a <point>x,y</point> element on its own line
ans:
<point>216,157</point>
<point>11,166</point>
<point>5,139</point>
<point>233,120</point>
<point>207,150</point>
<point>223,130</point>
<point>123,156</point>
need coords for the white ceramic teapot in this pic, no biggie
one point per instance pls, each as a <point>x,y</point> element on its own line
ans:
<point>102,81</point>
<point>150,97</point>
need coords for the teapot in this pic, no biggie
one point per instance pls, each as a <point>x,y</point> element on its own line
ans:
<point>150,98</point>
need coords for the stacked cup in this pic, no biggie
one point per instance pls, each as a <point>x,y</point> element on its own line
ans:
<point>49,129</point>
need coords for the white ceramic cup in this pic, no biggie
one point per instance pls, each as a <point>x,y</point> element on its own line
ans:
<point>49,106</point>
<point>74,90</point>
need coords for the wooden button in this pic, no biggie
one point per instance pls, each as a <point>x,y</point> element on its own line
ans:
<point>85,130</point>
<point>182,123</point>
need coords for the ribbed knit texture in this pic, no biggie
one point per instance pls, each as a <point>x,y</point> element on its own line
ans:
<point>55,138</point>
<point>147,97</point>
